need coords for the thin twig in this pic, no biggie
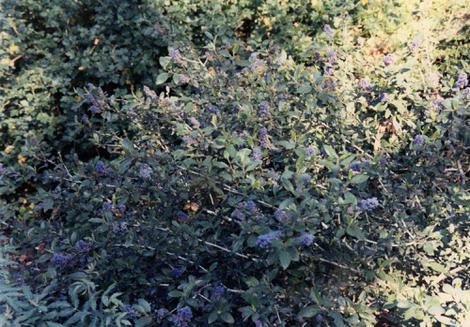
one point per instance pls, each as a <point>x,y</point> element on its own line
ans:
<point>339,265</point>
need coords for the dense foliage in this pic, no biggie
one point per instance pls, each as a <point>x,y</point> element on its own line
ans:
<point>255,163</point>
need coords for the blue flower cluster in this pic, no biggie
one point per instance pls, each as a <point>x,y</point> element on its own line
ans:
<point>181,215</point>
<point>389,60</point>
<point>249,207</point>
<point>213,109</point>
<point>175,55</point>
<point>95,102</point>
<point>368,204</point>
<point>177,272</point>
<point>61,259</point>
<point>328,31</point>
<point>310,151</point>
<point>462,80</point>
<point>150,93</point>
<point>131,312</point>
<point>182,317</point>
<point>218,292</point>
<point>306,239</point>
<point>263,110</point>
<point>83,246</point>
<point>263,137</point>
<point>418,140</point>
<point>437,102</point>
<point>162,313</point>
<point>120,228</point>
<point>257,154</point>
<point>100,168</point>
<point>145,171</point>
<point>238,214</point>
<point>281,215</point>
<point>355,166</point>
<point>365,84</point>
<point>466,92</point>
<point>306,178</point>
<point>265,240</point>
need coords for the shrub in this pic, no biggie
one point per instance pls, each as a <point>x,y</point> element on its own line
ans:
<point>193,163</point>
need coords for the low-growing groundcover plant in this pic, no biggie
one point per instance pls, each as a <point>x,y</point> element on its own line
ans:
<point>248,163</point>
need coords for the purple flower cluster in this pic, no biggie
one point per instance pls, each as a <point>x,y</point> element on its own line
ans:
<point>238,214</point>
<point>257,154</point>
<point>306,239</point>
<point>177,272</point>
<point>256,63</point>
<point>310,151</point>
<point>462,80</point>
<point>213,109</point>
<point>121,208</point>
<point>331,54</point>
<point>306,178</point>
<point>244,208</point>
<point>162,313</point>
<point>281,215</point>
<point>328,31</point>
<point>145,171</point>
<point>466,92</point>
<point>95,102</point>
<point>264,241</point>
<point>329,84</point>
<point>131,312</point>
<point>182,317</point>
<point>388,60</point>
<point>383,97</point>
<point>83,246</point>
<point>120,228</point>
<point>365,84</point>
<point>181,215</point>
<point>438,102</point>
<point>355,166</point>
<point>107,206</point>
<point>150,93</point>
<point>263,137</point>
<point>218,292</point>
<point>175,54</point>
<point>251,207</point>
<point>100,168</point>
<point>418,139</point>
<point>368,204</point>
<point>264,110</point>
<point>61,259</point>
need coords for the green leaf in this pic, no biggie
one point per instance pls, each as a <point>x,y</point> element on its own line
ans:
<point>309,312</point>
<point>330,151</point>
<point>359,179</point>
<point>355,231</point>
<point>305,88</point>
<point>212,317</point>
<point>128,146</point>
<point>164,61</point>
<point>161,78</point>
<point>227,317</point>
<point>285,259</point>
